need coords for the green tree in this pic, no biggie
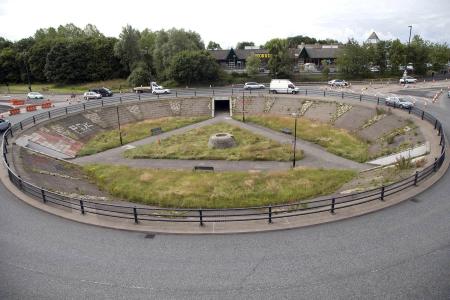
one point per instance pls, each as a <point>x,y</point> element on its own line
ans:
<point>396,54</point>
<point>252,64</point>
<point>170,43</point>
<point>439,56</point>
<point>194,66</point>
<point>213,46</point>
<point>140,75</point>
<point>9,67</point>
<point>242,45</point>
<point>280,60</point>
<point>127,47</point>
<point>418,54</point>
<point>352,60</point>
<point>325,69</point>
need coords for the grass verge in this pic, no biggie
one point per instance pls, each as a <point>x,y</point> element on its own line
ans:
<point>335,140</point>
<point>194,145</point>
<point>133,132</point>
<point>189,189</point>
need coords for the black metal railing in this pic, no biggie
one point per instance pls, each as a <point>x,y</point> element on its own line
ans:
<point>267,213</point>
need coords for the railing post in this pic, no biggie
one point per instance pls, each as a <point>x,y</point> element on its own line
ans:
<point>409,110</point>
<point>84,106</point>
<point>378,100</point>
<point>213,92</point>
<point>423,113</point>
<point>6,141</point>
<point>342,95</point>
<point>333,203</point>
<point>66,108</point>
<point>442,140</point>
<point>360,98</point>
<point>136,221</point>
<point>270,214</point>
<point>416,176</point>
<point>34,120</point>
<point>382,193</point>
<point>139,97</point>
<point>44,199</point>
<point>195,93</point>
<point>176,94</point>
<point>20,182</point>
<point>82,207</point>
<point>306,92</point>
<point>49,115</point>
<point>435,124</point>
<point>324,93</point>
<point>21,127</point>
<point>120,99</point>
<point>435,165</point>
<point>200,213</point>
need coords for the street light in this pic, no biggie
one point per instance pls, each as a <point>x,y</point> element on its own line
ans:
<point>118,122</point>
<point>405,73</point>
<point>295,115</point>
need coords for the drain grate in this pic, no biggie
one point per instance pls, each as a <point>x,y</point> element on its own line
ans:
<point>150,236</point>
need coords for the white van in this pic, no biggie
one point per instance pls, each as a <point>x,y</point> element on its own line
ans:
<point>282,86</point>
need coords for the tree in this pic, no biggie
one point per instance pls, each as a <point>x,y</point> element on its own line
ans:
<point>279,61</point>
<point>9,67</point>
<point>242,45</point>
<point>294,41</point>
<point>325,69</point>
<point>418,54</point>
<point>194,66</point>
<point>352,60</point>
<point>170,43</point>
<point>140,75</point>
<point>127,47</point>
<point>439,56</point>
<point>377,55</point>
<point>397,54</point>
<point>253,63</point>
<point>213,46</point>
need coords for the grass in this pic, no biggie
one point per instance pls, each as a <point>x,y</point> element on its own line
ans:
<point>335,140</point>
<point>189,189</point>
<point>114,84</point>
<point>194,145</point>
<point>133,132</point>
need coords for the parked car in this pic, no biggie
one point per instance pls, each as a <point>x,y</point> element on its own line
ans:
<point>374,69</point>
<point>283,86</point>
<point>102,91</point>
<point>407,79</point>
<point>4,124</point>
<point>34,95</point>
<point>160,90</point>
<point>398,102</point>
<point>338,82</point>
<point>253,86</point>
<point>145,89</point>
<point>92,95</point>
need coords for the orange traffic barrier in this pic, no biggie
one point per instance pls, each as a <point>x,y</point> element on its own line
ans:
<point>17,102</point>
<point>47,104</point>
<point>14,111</point>
<point>31,107</point>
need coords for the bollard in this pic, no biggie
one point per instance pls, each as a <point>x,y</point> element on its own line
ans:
<point>136,221</point>
<point>416,176</point>
<point>43,196</point>
<point>201,217</point>
<point>382,193</point>
<point>270,214</point>
<point>333,203</point>
<point>82,207</point>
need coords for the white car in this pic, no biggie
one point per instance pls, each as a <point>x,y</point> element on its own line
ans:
<point>407,79</point>
<point>338,82</point>
<point>253,86</point>
<point>157,90</point>
<point>398,102</point>
<point>34,95</point>
<point>91,95</point>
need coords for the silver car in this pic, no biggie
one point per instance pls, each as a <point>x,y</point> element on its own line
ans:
<point>35,95</point>
<point>4,124</point>
<point>253,86</point>
<point>398,102</point>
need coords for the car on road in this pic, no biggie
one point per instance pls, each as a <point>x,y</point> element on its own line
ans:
<point>160,90</point>
<point>283,86</point>
<point>91,95</point>
<point>34,95</point>
<point>4,124</point>
<point>253,86</point>
<point>338,82</point>
<point>407,79</point>
<point>102,91</point>
<point>399,102</point>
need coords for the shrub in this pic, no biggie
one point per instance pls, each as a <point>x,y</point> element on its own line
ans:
<point>403,163</point>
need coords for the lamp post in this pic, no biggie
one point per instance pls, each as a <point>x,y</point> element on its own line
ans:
<point>118,122</point>
<point>243,106</point>
<point>295,115</point>
<point>405,73</point>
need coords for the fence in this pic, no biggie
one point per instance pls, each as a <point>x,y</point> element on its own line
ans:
<point>267,213</point>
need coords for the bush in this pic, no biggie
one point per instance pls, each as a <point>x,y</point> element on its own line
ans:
<point>139,76</point>
<point>403,163</point>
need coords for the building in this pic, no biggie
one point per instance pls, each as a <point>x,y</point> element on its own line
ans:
<point>373,39</point>
<point>234,60</point>
<point>310,57</point>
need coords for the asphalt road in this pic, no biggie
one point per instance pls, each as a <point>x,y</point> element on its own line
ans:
<point>402,252</point>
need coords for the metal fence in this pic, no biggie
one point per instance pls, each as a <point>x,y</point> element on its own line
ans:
<point>267,213</point>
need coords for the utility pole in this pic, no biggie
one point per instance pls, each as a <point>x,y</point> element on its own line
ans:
<point>118,122</point>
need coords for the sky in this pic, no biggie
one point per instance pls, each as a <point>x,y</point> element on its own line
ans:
<point>231,21</point>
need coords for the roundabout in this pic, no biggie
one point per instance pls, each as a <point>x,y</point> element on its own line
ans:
<point>400,252</point>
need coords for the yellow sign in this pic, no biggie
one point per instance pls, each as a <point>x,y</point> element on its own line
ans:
<point>263,55</point>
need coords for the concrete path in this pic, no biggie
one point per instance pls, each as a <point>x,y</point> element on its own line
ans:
<point>314,155</point>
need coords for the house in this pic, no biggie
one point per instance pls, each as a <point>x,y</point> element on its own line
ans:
<point>373,39</point>
<point>234,60</point>
<point>306,55</point>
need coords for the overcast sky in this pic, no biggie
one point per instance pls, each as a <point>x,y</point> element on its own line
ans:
<point>228,22</point>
